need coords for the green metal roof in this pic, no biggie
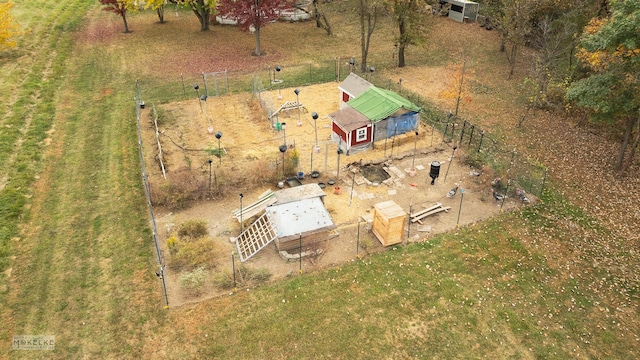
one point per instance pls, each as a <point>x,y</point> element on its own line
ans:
<point>378,104</point>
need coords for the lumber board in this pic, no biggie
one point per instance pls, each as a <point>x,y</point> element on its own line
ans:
<point>418,213</point>
<point>432,212</point>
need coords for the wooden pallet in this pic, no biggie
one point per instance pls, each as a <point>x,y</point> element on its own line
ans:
<point>260,234</point>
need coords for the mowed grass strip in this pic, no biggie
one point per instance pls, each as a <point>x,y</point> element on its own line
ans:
<point>23,131</point>
<point>487,290</point>
<point>83,266</point>
<point>84,271</point>
<point>28,118</point>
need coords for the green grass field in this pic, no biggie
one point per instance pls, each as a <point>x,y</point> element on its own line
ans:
<point>77,259</point>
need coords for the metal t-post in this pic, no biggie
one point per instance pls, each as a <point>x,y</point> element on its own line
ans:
<point>460,209</point>
<point>454,151</point>
<point>415,144</point>
<point>218,136</point>
<point>314,115</point>
<point>241,224</point>
<point>210,162</point>
<point>233,267</point>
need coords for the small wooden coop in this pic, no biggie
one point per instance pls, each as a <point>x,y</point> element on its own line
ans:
<point>388,222</point>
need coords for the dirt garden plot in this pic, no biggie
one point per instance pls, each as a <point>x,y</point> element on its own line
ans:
<point>249,147</point>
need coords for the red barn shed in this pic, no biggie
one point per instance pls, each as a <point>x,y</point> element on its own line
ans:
<point>352,86</point>
<point>352,130</point>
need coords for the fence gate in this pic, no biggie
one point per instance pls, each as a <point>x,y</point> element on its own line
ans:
<point>216,83</point>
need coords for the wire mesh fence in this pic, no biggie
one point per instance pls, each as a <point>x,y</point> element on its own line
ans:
<point>518,174</point>
<point>188,86</point>
<point>139,103</point>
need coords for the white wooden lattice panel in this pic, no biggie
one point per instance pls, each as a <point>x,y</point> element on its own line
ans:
<point>255,237</point>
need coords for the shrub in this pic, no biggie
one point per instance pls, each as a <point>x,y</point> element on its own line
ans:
<point>182,187</point>
<point>172,244</point>
<point>223,280</point>
<point>245,276</point>
<point>194,254</point>
<point>193,229</point>
<point>294,161</point>
<point>193,281</point>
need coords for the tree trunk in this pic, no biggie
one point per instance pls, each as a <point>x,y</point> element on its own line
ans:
<point>625,143</point>
<point>124,19</point>
<point>363,64</point>
<point>316,14</point>
<point>160,11</point>
<point>401,62</point>
<point>464,67</point>
<point>365,36</point>
<point>402,43</point>
<point>512,60</point>
<point>327,26</point>
<point>634,148</point>
<point>204,22</point>
<point>257,33</point>
<point>202,12</point>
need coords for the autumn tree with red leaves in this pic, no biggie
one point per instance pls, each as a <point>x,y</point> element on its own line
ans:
<point>120,7</point>
<point>253,14</point>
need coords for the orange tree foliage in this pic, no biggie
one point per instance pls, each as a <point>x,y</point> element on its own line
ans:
<point>455,87</point>
<point>8,29</point>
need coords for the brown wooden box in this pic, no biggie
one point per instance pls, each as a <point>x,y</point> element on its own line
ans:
<point>388,222</point>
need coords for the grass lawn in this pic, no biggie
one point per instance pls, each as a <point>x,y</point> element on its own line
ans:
<point>77,259</point>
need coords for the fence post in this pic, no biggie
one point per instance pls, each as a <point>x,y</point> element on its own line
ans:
<point>145,183</point>
<point>204,80</point>
<point>481,138</point>
<point>184,91</point>
<point>215,82</point>
<point>226,76</point>
<point>464,125</point>
<point>453,129</point>
<point>513,155</point>
<point>505,193</point>
<point>409,221</point>
<point>326,155</point>
<point>473,127</point>
<point>544,180</point>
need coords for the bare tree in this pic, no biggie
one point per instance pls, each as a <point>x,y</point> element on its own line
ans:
<point>368,19</point>
<point>410,23</point>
